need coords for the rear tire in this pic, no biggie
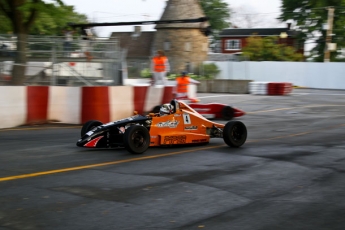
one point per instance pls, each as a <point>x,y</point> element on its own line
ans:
<point>235,133</point>
<point>89,125</point>
<point>136,139</point>
<point>228,113</point>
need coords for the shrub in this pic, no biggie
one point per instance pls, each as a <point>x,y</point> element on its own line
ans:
<point>210,70</point>
<point>146,73</point>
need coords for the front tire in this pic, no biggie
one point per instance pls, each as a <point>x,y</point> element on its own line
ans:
<point>89,125</point>
<point>235,134</point>
<point>136,139</point>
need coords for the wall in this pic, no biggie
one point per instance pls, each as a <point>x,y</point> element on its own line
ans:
<point>177,54</point>
<point>23,105</point>
<point>304,74</point>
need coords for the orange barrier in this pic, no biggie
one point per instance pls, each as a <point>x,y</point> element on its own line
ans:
<point>95,104</point>
<point>37,104</point>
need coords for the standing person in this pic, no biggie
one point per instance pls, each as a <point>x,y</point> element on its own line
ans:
<point>68,41</point>
<point>159,67</point>
<point>182,83</point>
<point>87,36</point>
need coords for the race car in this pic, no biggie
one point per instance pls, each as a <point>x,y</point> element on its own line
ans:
<point>184,126</point>
<point>211,110</point>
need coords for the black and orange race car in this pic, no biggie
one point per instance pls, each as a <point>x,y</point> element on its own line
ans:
<point>137,133</point>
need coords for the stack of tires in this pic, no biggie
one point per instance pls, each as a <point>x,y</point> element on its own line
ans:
<point>270,88</point>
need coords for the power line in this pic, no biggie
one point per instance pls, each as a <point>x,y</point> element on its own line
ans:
<point>294,12</point>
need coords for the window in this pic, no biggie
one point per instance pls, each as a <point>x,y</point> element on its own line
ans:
<point>233,44</point>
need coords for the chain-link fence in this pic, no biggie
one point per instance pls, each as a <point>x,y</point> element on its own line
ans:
<point>52,60</point>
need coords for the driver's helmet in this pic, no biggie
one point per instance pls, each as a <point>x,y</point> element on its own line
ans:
<point>166,109</point>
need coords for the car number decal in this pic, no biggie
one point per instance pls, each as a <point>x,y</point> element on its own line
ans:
<point>89,133</point>
<point>186,119</point>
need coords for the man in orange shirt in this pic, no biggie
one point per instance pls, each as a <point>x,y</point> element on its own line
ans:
<point>159,68</point>
<point>182,83</point>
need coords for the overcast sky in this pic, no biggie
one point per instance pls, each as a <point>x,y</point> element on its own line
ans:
<point>260,13</point>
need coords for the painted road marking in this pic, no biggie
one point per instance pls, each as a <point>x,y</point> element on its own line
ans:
<point>29,175</point>
<point>102,164</point>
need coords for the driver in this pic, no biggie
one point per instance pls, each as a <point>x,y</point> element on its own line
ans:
<point>166,109</point>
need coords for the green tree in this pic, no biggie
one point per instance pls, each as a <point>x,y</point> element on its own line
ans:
<point>310,16</point>
<point>268,49</point>
<point>218,13</point>
<point>24,17</point>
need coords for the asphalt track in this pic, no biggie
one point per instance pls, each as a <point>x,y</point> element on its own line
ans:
<point>288,175</point>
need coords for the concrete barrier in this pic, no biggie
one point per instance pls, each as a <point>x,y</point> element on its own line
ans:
<point>121,98</point>
<point>64,104</point>
<point>95,104</point>
<point>75,105</point>
<point>13,106</point>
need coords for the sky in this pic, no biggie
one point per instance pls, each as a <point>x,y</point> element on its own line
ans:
<point>251,13</point>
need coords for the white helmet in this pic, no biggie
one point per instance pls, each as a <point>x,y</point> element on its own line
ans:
<point>166,109</point>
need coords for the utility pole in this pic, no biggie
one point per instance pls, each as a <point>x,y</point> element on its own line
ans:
<point>329,34</point>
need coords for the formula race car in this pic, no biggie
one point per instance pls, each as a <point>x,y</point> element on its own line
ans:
<point>211,110</point>
<point>184,126</point>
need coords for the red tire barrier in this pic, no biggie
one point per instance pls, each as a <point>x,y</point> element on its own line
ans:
<point>279,88</point>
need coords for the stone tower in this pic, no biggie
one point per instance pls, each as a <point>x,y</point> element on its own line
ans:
<point>183,43</point>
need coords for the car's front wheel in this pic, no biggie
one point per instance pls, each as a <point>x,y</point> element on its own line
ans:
<point>136,139</point>
<point>89,125</point>
<point>235,133</point>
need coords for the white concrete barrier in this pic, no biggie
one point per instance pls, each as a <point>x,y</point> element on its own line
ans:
<point>121,101</point>
<point>64,104</point>
<point>12,106</point>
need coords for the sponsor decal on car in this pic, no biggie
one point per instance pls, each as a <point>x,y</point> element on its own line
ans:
<point>201,109</point>
<point>89,133</point>
<point>107,124</point>
<point>170,124</point>
<point>170,140</point>
<point>93,142</point>
<point>194,127</point>
<point>199,140</point>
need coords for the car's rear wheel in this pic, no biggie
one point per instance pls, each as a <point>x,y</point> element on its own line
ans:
<point>136,139</point>
<point>235,133</point>
<point>89,125</point>
<point>228,113</point>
